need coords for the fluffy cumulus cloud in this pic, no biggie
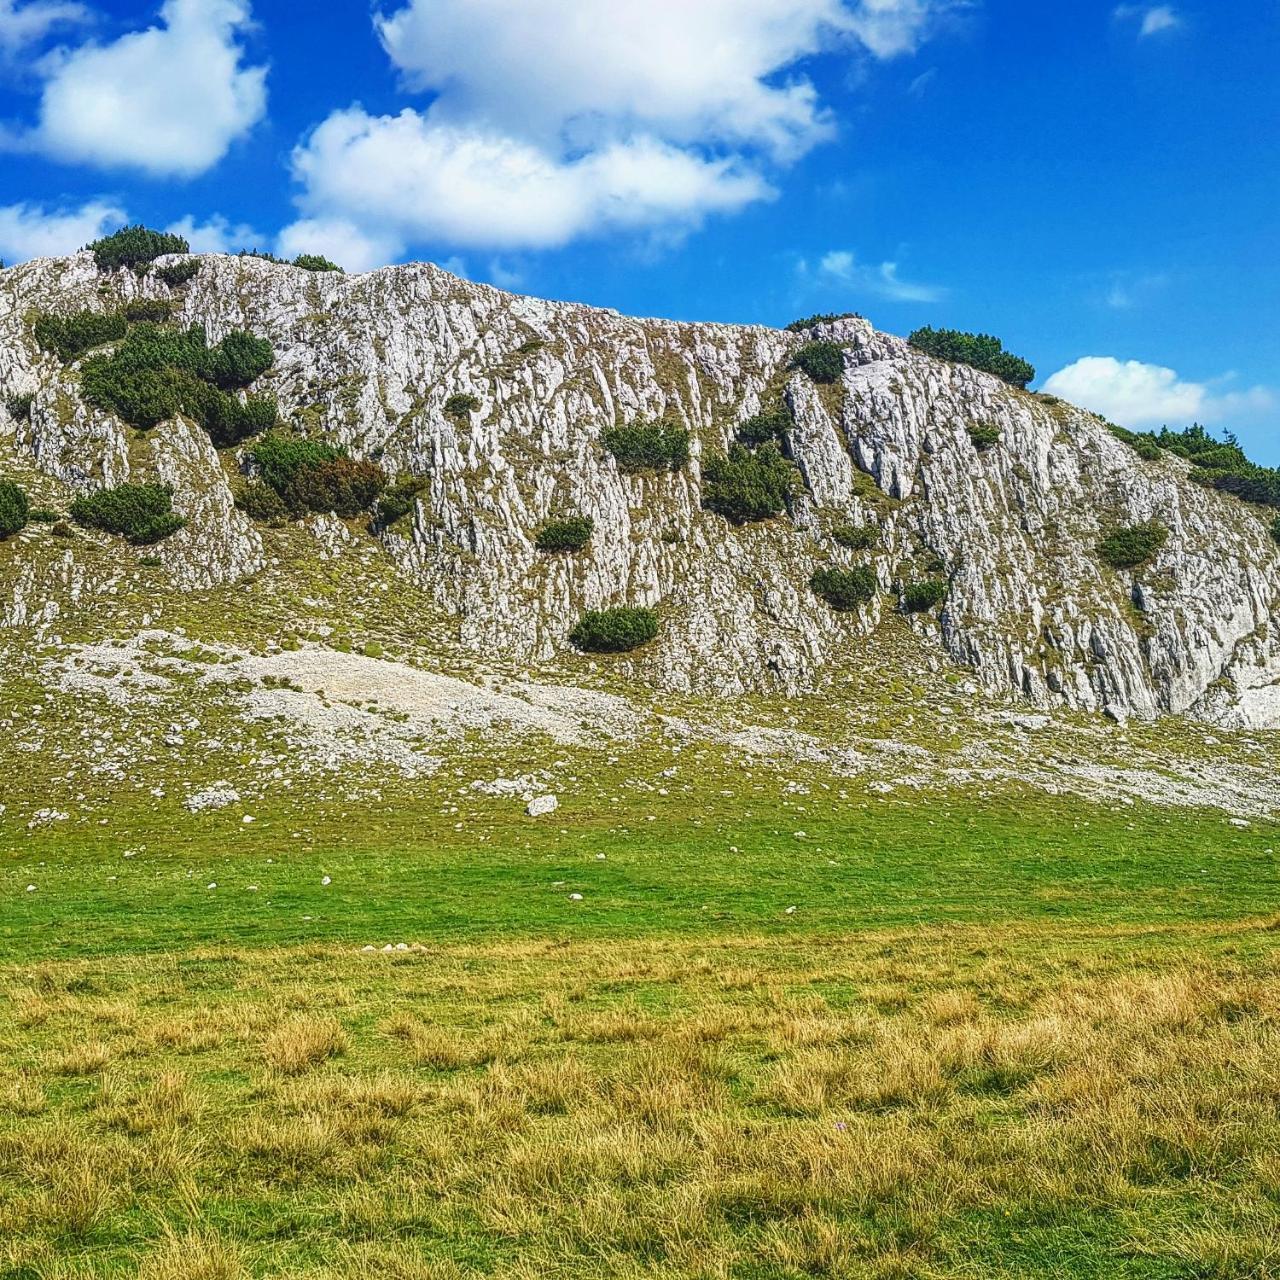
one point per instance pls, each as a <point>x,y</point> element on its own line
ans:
<point>1134,394</point>
<point>841,268</point>
<point>30,231</point>
<point>169,100</point>
<point>24,25</point>
<point>217,235</point>
<point>553,119</point>
<point>1151,19</point>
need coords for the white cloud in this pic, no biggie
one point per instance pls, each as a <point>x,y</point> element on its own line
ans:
<point>24,25</point>
<point>554,119</point>
<point>30,231</point>
<point>169,100</point>
<point>340,241</point>
<point>1134,394</point>
<point>1153,18</point>
<point>842,268</point>
<point>216,235</point>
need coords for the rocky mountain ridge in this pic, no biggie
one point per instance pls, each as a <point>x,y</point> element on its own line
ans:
<point>371,362</point>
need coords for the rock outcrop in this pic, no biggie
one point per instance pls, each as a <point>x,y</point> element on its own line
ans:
<point>371,361</point>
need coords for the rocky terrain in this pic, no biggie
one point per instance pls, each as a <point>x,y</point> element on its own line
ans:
<point>1031,614</point>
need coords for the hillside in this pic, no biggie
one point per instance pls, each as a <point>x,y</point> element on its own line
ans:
<point>373,362</point>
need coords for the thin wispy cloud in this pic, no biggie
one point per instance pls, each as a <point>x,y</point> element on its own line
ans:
<point>1152,19</point>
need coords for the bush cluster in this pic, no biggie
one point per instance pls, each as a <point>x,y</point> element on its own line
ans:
<point>316,262</point>
<point>856,537</point>
<point>176,274</point>
<point>14,509</point>
<point>44,515</point>
<point>1219,464</point>
<point>812,322</point>
<point>142,513</point>
<point>135,247</point>
<point>19,407</point>
<point>461,406</point>
<point>648,446</point>
<point>614,630</point>
<point>772,424</point>
<point>69,337</point>
<point>571,534</point>
<point>984,437</point>
<point>822,361</point>
<point>158,372</point>
<point>920,597</point>
<point>309,475</point>
<point>260,501</point>
<point>746,486</point>
<point>845,589</point>
<point>1134,546</point>
<point>147,311</point>
<point>978,350</point>
<point>1143,444</point>
<point>399,499</point>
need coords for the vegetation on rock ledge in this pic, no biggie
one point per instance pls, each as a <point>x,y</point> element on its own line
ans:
<point>142,513</point>
<point>568,535</point>
<point>1133,546</point>
<point>845,589</point>
<point>977,350</point>
<point>648,446</point>
<point>614,630</point>
<point>749,486</point>
<point>14,509</point>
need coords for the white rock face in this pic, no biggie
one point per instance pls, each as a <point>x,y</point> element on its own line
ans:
<point>370,361</point>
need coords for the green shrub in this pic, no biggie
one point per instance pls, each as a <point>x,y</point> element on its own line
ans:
<point>614,630</point>
<point>19,407</point>
<point>69,337</point>
<point>857,537</point>
<point>461,406</point>
<point>399,500</point>
<point>747,486</point>
<point>310,475</point>
<point>14,509</point>
<point>147,311</point>
<point>238,360</point>
<point>984,437</point>
<point>812,322</point>
<point>571,534</point>
<point>977,350</point>
<point>822,361</point>
<point>314,262</point>
<point>845,589</point>
<point>142,513</point>
<point>1275,528</point>
<point>1144,444</point>
<point>772,424</point>
<point>176,274</point>
<point>135,247</point>
<point>648,446</point>
<point>44,515</point>
<point>260,501</point>
<point>1133,546</point>
<point>279,457</point>
<point>920,597</point>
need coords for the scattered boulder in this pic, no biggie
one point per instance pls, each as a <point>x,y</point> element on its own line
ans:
<point>540,806</point>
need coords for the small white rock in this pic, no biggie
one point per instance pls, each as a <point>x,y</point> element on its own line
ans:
<point>31,888</point>
<point>541,806</point>
<point>575,897</point>
<point>791,911</point>
<point>325,880</point>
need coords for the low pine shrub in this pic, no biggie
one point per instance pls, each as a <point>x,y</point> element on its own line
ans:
<point>316,262</point>
<point>14,509</point>
<point>261,502</point>
<point>1144,444</point>
<point>772,424</point>
<point>922,596</point>
<point>19,407</point>
<point>142,513</point>
<point>344,486</point>
<point>44,515</point>
<point>461,406</point>
<point>845,589</point>
<point>176,274</point>
<point>399,500</point>
<point>69,337</point>
<point>135,247</point>
<point>1133,546</point>
<point>745,487</point>
<point>856,537</point>
<point>1275,528</point>
<point>977,350</point>
<point>147,311</point>
<point>568,535</point>
<point>648,446</point>
<point>812,322</point>
<point>984,437</point>
<point>614,630</point>
<point>822,361</point>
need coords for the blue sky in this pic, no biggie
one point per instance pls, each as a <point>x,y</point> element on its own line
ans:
<point>1095,182</point>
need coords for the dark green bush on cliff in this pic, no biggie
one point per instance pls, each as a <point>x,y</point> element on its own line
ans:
<point>315,262</point>
<point>261,502</point>
<point>143,513</point>
<point>176,274</point>
<point>19,407</point>
<point>568,535</point>
<point>845,589</point>
<point>399,500</point>
<point>977,350</point>
<point>822,361</point>
<point>856,537</point>
<point>984,437</point>
<point>920,597</point>
<point>135,247</point>
<point>1275,528</point>
<point>811,322</point>
<point>648,446</point>
<point>14,509</point>
<point>745,486</point>
<point>69,337</point>
<point>772,424</point>
<point>310,475</point>
<point>1134,546</point>
<point>614,630</point>
<point>461,406</point>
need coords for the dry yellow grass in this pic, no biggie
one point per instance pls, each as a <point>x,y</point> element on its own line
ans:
<point>939,1104</point>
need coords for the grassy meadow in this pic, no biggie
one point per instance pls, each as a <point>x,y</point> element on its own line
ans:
<point>781,1035</point>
